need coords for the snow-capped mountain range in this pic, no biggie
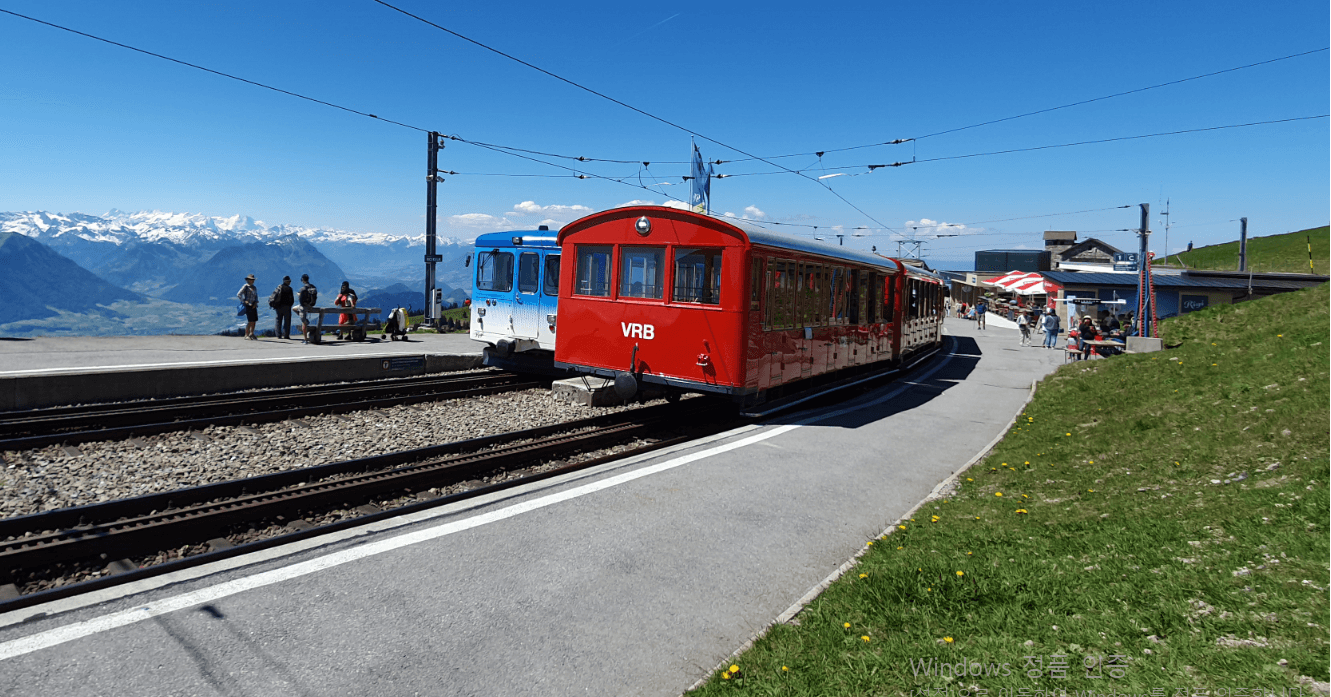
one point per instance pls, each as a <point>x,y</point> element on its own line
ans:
<point>186,229</point>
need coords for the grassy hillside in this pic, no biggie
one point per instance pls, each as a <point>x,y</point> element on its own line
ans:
<point>1152,521</point>
<point>1287,253</point>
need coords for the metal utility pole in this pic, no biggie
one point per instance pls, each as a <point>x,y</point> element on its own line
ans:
<point>1243,244</point>
<point>432,180</point>
<point>1143,276</point>
<point>1166,216</point>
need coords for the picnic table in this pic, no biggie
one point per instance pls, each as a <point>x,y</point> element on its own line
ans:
<point>356,330</point>
<point>1074,354</point>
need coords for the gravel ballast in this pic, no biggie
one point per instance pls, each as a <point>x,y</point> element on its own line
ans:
<point>58,477</point>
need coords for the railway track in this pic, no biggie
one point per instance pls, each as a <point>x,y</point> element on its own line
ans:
<point>71,541</point>
<point>71,425</point>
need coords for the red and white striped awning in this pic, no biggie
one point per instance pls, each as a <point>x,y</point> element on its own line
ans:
<point>1024,283</point>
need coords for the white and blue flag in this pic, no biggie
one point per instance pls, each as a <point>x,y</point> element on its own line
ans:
<point>701,198</point>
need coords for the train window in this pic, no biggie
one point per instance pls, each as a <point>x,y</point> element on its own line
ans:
<point>914,311</point>
<point>821,302</point>
<point>889,298</point>
<point>768,290</point>
<point>698,276</point>
<point>875,291</point>
<point>642,272</point>
<point>552,274</point>
<point>779,304</point>
<point>807,296</point>
<point>529,272</point>
<point>593,271</point>
<point>494,271</point>
<point>755,284</point>
<point>856,295</point>
<point>839,284</point>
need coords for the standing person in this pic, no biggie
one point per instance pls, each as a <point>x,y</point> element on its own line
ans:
<point>980,308</point>
<point>346,297</point>
<point>309,298</point>
<point>1050,324</point>
<point>281,301</point>
<point>248,296</point>
<point>1024,324</point>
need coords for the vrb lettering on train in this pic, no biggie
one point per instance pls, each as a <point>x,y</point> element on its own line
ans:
<point>641,331</point>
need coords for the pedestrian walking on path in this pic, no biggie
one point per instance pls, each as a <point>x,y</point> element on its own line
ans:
<point>981,308</point>
<point>1024,324</point>
<point>249,298</point>
<point>1050,325</point>
<point>281,301</point>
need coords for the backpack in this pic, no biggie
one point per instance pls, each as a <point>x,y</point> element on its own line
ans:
<point>275,297</point>
<point>309,295</point>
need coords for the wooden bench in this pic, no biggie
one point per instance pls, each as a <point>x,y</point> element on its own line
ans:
<point>356,330</point>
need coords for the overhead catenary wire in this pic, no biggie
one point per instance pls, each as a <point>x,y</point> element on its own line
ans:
<point>873,167</point>
<point>899,141</point>
<point>626,105</point>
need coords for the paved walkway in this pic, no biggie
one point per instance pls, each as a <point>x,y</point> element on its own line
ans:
<point>633,579</point>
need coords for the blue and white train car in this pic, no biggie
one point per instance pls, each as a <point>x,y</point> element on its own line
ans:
<point>515,295</point>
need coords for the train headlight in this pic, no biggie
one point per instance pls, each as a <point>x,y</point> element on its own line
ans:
<point>480,311</point>
<point>643,226</point>
<point>550,320</point>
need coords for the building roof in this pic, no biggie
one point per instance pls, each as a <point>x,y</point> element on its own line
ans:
<point>1186,280</point>
<point>1060,235</point>
<point>1088,243</point>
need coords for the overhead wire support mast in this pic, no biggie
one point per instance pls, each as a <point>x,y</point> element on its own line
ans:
<point>432,300</point>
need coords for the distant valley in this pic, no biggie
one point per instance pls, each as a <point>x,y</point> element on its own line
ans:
<point>169,273</point>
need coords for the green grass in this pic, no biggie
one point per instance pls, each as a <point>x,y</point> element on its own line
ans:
<point>1280,253</point>
<point>1153,506</point>
<point>456,314</point>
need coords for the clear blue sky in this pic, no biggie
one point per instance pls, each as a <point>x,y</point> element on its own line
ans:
<point>89,127</point>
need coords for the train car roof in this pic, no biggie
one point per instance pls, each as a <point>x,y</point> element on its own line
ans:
<point>759,235</point>
<point>530,238</point>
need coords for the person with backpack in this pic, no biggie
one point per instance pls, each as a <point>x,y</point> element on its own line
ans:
<point>249,301</point>
<point>980,308</point>
<point>1024,324</point>
<point>281,301</point>
<point>309,299</point>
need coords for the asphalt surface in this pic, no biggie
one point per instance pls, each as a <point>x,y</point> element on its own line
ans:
<point>633,579</point>
<point>91,354</point>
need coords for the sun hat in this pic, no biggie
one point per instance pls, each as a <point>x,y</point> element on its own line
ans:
<point>249,277</point>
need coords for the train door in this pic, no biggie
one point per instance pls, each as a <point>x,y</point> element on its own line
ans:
<point>547,306</point>
<point>494,285</point>
<point>755,372</point>
<point>527,296</point>
<point>807,309</point>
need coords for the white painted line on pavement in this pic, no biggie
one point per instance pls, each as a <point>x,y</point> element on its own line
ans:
<point>78,630</point>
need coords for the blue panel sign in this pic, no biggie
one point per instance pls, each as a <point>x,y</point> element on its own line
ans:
<point>1193,303</point>
<point>1125,261</point>
<point>405,363</point>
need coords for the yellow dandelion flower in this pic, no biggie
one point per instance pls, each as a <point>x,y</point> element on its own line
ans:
<point>846,625</point>
<point>734,669</point>
<point>912,520</point>
<point>1091,490</point>
<point>969,479</point>
<point>902,527</point>
<point>968,553</point>
<point>977,517</point>
<point>998,493</point>
<point>725,676</point>
<point>866,638</point>
<point>1212,365</point>
<point>900,547</point>
<point>1092,462</point>
<point>864,575</point>
<point>1069,434</point>
<point>948,639</point>
<point>1279,335</point>
<point>784,668</point>
<point>1005,464</point>
<point>1021,511</point>
<point>926,590</point>
<point>961,573</point>
<point>869,544</point>
<point>1024,496</point>
<point>1028,462</point>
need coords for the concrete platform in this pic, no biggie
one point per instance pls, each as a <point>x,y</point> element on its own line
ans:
<point>634,578</point>
<point>50,371</point>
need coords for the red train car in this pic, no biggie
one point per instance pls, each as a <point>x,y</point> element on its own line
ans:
<point>697,303</point>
